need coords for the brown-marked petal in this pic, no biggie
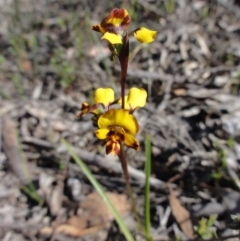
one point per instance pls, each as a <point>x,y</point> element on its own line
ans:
<point>112,147</point>
<point>118,20</point>
<point>84,110</point>
<point>130,141</point>
<point>98,28</point>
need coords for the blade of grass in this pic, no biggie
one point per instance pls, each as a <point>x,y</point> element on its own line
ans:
<point>30,191</point>
<point>147,187</point>
<point>101,192</point>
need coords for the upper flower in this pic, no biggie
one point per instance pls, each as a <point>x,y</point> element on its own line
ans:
<point>117,125</point>
<point>117,21</point>
<point>112,27</point>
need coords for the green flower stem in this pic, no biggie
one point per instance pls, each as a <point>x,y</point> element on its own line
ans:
<point>147,188</point>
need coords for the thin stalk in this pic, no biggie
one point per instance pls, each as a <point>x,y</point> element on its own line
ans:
<point>123,91</point>
<point>123,160</point>
<point>123,59</point>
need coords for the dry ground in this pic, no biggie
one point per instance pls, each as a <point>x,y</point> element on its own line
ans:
<point>51,62</point>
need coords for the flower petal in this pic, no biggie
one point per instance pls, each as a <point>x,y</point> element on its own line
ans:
<point>118,20</point>
<point>98,28</point>
<point>104,96</point>
<point>137,97</point>
<point>113,147</point>
<point>101,133</point>
<point>112,38</point>
<point>130,141</point>
<point>120,118</point>
<point>84,110</point>
<point>144,35</point>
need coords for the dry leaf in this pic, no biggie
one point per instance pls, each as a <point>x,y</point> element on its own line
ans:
<point>55,200</point>
<point>181,214</point>
<point>79,222</point>
<point>95,209</point>
<point>93,215</point>
<point>71,230</point>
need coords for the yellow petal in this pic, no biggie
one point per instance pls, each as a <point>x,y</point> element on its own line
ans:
<point>101,133</point>
<point>104,96</point>
<point>120,118</point>
<point>137,97</point>
<point>112,38</point>
<point>144,35</point>
<point>130,141</point>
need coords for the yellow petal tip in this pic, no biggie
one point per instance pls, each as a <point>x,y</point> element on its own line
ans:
<point>145,35</point>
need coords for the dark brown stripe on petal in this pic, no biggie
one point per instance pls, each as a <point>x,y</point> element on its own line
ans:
<point>96,28</point>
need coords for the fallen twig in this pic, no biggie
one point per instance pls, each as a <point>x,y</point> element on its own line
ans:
<point>11,149</point>
<point>93,158</point>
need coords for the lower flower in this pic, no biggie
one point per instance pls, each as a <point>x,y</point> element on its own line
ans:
<point>117,125</point>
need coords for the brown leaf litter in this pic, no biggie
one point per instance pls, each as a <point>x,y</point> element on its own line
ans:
<point>92,216</point>
<point>181,214</point>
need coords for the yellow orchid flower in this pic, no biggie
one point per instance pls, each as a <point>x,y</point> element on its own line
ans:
<point>113,26</point>
<point>117,125</point>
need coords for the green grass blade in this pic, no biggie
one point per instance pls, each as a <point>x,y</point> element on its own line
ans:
<point>147,187</point>
<point>30,192</point>
<point>101,192</point>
